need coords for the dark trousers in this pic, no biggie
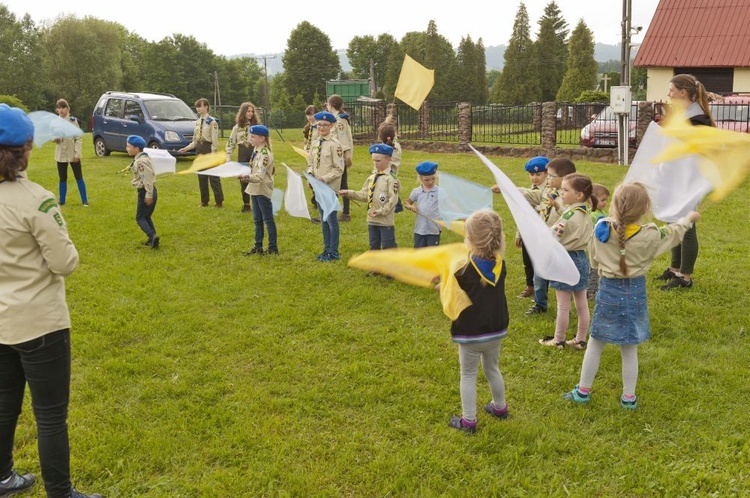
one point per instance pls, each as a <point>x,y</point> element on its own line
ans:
<point>62,171</point>
<point>427,240</point>
<point>143,213</point>
<point>263,213</point>
<point>43,363</point>
<point>381,237</point>
<point>685,253</point>
<point>528,267</point>
<point>203,180</point>
<point>344,186</point>
<point>244,154</point>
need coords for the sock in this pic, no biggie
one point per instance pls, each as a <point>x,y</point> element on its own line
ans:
<point>584,391</point>
<point>468,423</point>
<point>82,191</point>
<point>628,397</point>
<point>63,191</point>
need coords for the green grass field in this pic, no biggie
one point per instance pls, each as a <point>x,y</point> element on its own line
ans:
<point>199,372</point>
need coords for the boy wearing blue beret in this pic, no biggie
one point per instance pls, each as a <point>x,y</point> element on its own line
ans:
<point>423,200</point>
<point>379,191</point>
<point>536,167</point>
<point>143,180</point>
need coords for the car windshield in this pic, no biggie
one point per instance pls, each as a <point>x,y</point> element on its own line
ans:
<point>169,110</point>
<point>729,112</point>
<point>608,115</point>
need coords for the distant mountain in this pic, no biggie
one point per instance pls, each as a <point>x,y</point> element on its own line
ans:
<point>494,55</point>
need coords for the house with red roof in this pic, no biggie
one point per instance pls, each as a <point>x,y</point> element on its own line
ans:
<point>709,39</point>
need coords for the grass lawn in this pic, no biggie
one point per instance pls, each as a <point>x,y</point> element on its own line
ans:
<point>198,371</point>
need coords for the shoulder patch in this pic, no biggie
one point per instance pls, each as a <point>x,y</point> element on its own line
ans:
<point>339,151</point>
<point>568,214</point>
<point>341,125</point>
<point>47,205</point>
<point>210,120</point>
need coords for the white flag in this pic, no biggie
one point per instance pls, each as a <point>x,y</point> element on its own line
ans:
<point>295,202</point>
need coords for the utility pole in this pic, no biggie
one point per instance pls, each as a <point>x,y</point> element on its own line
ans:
<point>623,118</point>
<point>266,92</point>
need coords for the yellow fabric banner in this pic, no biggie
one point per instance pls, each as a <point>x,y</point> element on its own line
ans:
<point>414,83</point>
<point>205,161</point>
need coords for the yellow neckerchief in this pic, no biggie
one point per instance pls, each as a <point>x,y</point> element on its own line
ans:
<point>631,230</point>
<point>495,271</point>
<point>371,189</point>
<point>320,148</point>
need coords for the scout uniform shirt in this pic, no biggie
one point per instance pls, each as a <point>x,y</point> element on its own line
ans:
<point>69,148</point>
<point>206,131</point>
<point>573,229</point>
<point>326,161</point>
<point>380,194</point>
<point>238,136</point>
<point>643,243</point>
<point>542,200</point>
<point>35,254</point>
<point>344,132</point>
<point>261,173</point>
<point>143,174</point>
<point>533,194</point>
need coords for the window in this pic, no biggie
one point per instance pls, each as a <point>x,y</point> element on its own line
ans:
<point>133,108</point>
<point>114,108</point>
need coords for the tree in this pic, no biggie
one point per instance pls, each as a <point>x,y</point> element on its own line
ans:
<point>471,77</point>
<point>393,70</point>
<point>550,52</point>
<point>309,61</point>
<point>580,72</point>
<point>492,77</point>
<point>517,83</point>
<point>23,63</point>
<point>361,52</point>
<point>439,55</point>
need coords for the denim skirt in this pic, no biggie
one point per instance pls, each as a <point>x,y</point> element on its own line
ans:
<point>581,260</point>
<point>621,311</point>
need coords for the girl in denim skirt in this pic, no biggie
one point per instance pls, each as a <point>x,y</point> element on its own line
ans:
<point>622,250</point>
<point>573,229</point>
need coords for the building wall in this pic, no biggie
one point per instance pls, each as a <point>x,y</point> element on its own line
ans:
<point>742,79</point>
<point>658,83</point>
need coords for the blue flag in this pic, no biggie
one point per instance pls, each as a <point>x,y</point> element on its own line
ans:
<point>458,198</point>
<point>48,126</point>
<point>325,196</point>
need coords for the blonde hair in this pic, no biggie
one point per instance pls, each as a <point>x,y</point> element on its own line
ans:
<point>630,203</point>
<point>484,234</point>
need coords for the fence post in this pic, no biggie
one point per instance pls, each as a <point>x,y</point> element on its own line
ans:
<point>549,127</point>
<point>464,125</point>
<point>424,120</point>
<point>645,116</point>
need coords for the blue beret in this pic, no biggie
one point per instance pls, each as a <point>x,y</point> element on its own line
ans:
<point>137,141</point>
<point>426,168</point>
<point>16,127</point>
<point>325,116</point>
<point>537,164</point>
<point>381,149</point>
<point>259,130</point>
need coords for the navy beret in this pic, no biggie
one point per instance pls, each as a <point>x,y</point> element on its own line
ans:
<point>325,116</point>
<point>137,141</point>
<point>537,164</point>
<point>381,149</point>
<point>259,130</point>
<point>16,128</point>
<point>426,168</point>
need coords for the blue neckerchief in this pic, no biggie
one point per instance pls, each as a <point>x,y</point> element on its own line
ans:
<point>488,268</point>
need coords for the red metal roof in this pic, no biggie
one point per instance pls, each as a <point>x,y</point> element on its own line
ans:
<point>697,33</point>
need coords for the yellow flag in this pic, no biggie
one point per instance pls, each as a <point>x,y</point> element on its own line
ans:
<point>421,267</point>
<point>301,152</point>
<point>414,83</point>
<point>205,161</point>
<point>725,154</point>
<point>457,226</point>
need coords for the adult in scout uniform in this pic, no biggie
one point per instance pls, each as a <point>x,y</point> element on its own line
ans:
<point>326,163</point>
<point>343,133</point>
<point>35,255</point>
<point>206,141</point>
<point>239,138</point>
<point>69,151</point>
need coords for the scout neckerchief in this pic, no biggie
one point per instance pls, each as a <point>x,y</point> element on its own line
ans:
<point>317,154</point>
<point>488,269</point>
<point>371,192</point>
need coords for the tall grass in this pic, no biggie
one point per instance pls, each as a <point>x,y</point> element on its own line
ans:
<point>198,371</point>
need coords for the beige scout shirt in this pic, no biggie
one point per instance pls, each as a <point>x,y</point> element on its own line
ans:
<point>344,133</point>
<point>573,228</point>
<point>68,149</point>
<point>532,194</point>
<point>384,198</point>
<point>35,254</point>
<point>261,173</point>
<point>206,130</point>
<point>143,174</point>
<point>641,248</point>
<point>326,161</point>
<point>238,136</point>
<point>312,136</point>
<point>542,200</point>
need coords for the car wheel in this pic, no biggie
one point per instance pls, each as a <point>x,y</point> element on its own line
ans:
<point>154,145</point>
<point>100,147</point>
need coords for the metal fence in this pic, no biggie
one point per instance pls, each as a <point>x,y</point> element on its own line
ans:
<point>497,123</point>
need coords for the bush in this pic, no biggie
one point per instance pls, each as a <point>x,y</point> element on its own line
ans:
<point>13,102</point>
<point>593,96</point>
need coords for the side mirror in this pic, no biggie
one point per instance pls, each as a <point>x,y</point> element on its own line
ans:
<point>136,118</point>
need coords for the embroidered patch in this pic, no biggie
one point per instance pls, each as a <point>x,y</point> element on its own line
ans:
<point>568,214</point>
<point>382,198</point>
<point>341,125</point>
<point>265,161</point>
<point>339,151</point>
<point>58,218</point>
<point>559,229</point>
<point>48,204</point>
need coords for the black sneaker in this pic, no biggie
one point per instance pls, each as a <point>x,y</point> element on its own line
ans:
<point>17,483</point>
<point>273,250</point>
<point>535,310</point>
<point>677,283</point>
<point>462,424</point>
<point>254,250</point>
<point>155,242</point>
<point>78,494</point>
<point>667,275</point>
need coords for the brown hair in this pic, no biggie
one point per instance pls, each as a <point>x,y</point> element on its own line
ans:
<point>582,184</point>
<point>13,160</point>
<point>630,203</point>
<point>484,234</point>
<point>696,92</point>
<point>241,120</point>
<point>387,133</point>
<point>310,110</point>
<point>62,104</point>
<point>600,191</point>
<point>203,102</point>
<point>336,101</point>
<point>562,166</point>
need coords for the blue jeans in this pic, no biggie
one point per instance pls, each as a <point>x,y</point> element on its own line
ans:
<point>330,233</point>
<point>428,240</point>
<point>143,213</point>
<point>381,237</point>
<point>541,287</point>
<point>43,363</point>
<point>263,213</point>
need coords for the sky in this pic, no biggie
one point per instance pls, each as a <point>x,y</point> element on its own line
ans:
<point>266,30</point>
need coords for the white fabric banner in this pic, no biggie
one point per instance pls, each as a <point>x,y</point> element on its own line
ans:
<point>163,161</point>
<point>295,202</point>
<point>232,169</point>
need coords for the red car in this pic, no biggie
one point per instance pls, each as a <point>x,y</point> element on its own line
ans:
<point>733,113</point>
<point>602,130</point>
